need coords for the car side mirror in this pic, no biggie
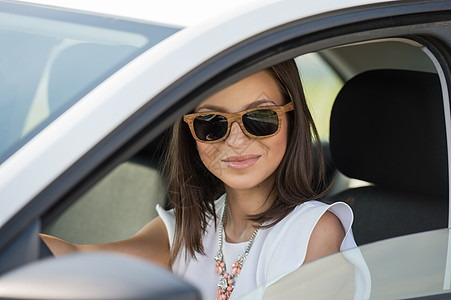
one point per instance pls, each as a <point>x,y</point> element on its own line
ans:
<point>94,275</point>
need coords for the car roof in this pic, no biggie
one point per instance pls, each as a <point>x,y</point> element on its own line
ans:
<point>184,13</point>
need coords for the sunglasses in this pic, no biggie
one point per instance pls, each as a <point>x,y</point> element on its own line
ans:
<point>259,122</point>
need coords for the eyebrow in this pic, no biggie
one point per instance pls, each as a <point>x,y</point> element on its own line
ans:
<point>220,108</point>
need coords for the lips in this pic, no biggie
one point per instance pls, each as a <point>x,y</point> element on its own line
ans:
<point>240,162</point>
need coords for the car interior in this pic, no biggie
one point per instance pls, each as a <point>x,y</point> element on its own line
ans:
<point>379,109</point>
<point>395,141</point>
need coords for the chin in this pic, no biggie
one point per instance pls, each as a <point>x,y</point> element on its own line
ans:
<point>246,182</point>
<point>240,184</point>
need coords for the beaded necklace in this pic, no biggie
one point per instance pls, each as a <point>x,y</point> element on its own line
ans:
<point>226,282</point>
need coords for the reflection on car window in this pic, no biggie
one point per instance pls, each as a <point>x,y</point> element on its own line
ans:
<point>48,63</point>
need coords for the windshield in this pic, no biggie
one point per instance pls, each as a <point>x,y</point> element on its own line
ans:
<point>416,266</point>
<point>50,58</point>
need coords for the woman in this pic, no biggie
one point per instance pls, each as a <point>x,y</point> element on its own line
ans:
<point>250,145</point>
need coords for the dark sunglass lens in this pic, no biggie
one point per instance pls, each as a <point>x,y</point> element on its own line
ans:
<point>261,122</point>
<point>210,127</point>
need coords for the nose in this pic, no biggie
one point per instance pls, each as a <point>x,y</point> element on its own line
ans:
<point>236,136</point>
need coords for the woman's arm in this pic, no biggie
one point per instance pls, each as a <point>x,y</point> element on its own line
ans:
<point>326,237</point>
<point>150,243</point>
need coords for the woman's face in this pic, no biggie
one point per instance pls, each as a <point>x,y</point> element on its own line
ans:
<point>239,161</point>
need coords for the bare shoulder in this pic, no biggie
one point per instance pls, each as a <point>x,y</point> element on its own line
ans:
<point>154,227</point>
<point>326,237</point>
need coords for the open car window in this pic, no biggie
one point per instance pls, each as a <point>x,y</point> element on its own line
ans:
<point>124,201</point>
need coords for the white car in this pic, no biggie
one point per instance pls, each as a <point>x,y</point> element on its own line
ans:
<point>86,105</point>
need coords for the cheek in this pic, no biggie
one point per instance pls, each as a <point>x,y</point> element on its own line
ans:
<point>275,147</point>
<point>209,154</point>
<point>280,140</point>
<point>278,147</point>
<point>279,144</point>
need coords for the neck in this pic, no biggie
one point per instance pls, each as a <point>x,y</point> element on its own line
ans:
<point>241,204</point>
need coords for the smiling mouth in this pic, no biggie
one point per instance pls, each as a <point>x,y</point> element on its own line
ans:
<point>241,161</point>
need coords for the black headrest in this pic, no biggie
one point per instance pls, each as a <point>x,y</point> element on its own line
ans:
<point>388,127</point>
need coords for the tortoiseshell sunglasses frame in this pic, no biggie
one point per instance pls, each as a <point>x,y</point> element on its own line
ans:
<point>238,118</point>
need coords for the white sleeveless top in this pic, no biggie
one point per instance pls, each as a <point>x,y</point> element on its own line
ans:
<point>276,251</point>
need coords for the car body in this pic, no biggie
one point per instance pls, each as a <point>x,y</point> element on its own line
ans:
<point>87,101</point>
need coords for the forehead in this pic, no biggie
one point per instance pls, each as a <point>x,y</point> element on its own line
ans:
<point>240,95</point>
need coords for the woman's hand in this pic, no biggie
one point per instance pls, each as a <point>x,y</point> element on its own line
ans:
<point>56,245</point>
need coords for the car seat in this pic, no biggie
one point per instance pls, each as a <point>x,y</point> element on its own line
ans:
<point>387,127</point>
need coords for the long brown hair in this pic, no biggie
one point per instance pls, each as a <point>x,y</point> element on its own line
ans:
<point>193,189</point>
